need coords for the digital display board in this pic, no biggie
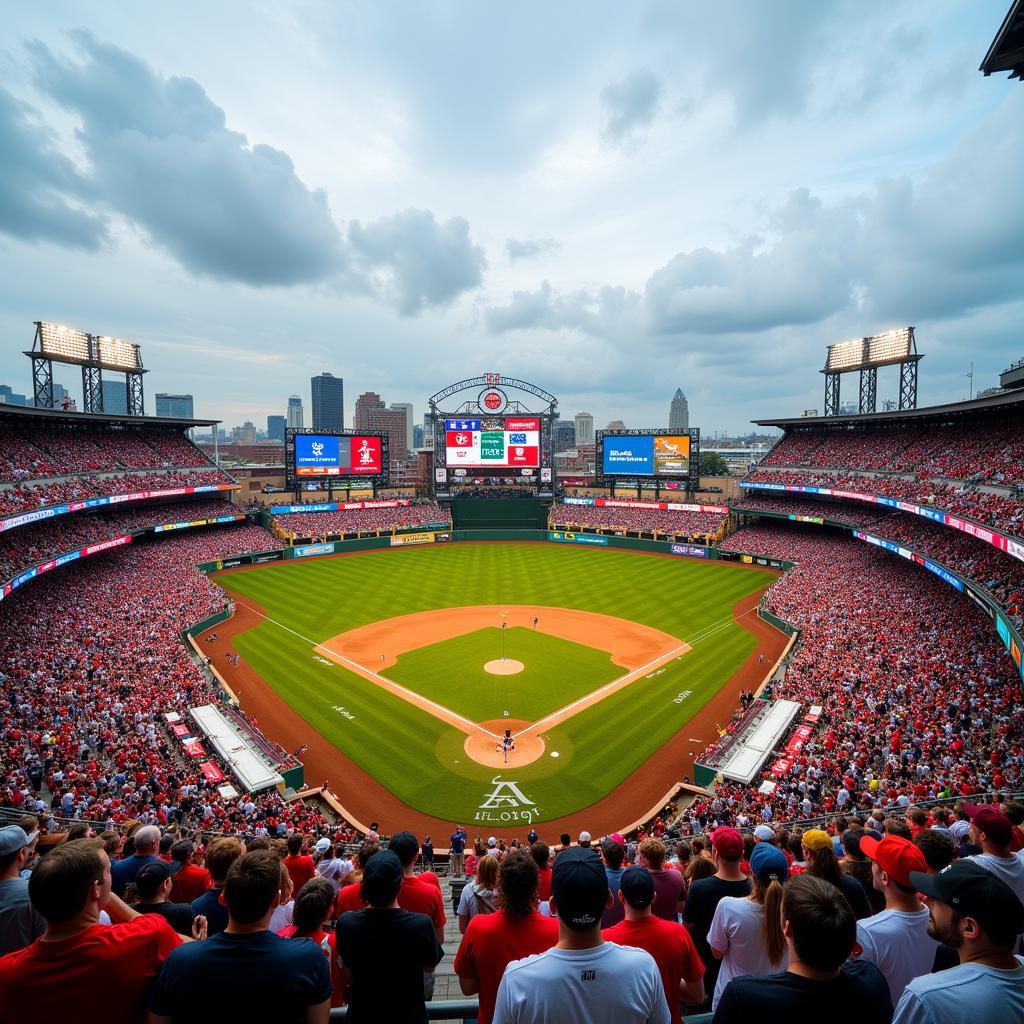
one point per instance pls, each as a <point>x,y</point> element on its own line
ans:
<point>510,443</point>
<point>645,455</point>
<point>317,455</point>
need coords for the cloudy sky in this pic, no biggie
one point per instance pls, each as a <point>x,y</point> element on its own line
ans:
<point>608,200</point>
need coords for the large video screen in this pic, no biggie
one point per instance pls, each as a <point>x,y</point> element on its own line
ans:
<point>341,455</point>
<point>665,455</point>
<point>512,443</point>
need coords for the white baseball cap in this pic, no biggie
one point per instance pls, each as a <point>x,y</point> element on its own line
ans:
<point>322,844</point>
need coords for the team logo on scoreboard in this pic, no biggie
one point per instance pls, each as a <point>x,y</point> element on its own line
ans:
<point>492,400</point>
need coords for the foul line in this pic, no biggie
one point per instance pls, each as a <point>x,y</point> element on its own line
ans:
<point>382,681</point>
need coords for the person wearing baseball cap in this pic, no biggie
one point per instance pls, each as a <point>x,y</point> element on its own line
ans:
<point>896,940</point>
<point>669,943</point>
<point>981,917</point>
<point>153,886</point>
<point>993,832</point>
<point>582,977</point>
<point>706,893</point>
<point>820,855</point>
<point>20,923</point>
<point>746,932</point>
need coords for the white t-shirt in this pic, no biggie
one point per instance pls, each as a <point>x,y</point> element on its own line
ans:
<point>737,929</point>
<point>899,945</point>
<point>1009,869</point>
<point>282,916</point>
<point>334,870</point>
<point>608,984</point>
<point>966,994</point>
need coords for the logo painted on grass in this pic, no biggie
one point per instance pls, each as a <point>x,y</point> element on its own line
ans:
<point>507,802</point>
<point>323,661</point>
<point>682,696</point>
<point>344,712</point>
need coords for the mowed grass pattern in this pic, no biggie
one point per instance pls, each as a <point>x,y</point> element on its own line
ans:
<point>422,760</point>
<point>555,673</point>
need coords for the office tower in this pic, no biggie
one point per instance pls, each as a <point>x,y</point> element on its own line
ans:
<point>328,401</point>
<point>295,412</point>
<point>584,428</point>
<point>275,428</point>
<point>115,397</point>
<point>407,407</point>
<point>679,413</point>
<point>179,406</point>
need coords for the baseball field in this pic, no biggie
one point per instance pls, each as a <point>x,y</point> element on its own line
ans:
<point>411,664</point>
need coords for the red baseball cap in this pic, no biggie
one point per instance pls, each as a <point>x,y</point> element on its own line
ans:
<point>990,820</point>
<point>896,856</point>
<point>727,842</point>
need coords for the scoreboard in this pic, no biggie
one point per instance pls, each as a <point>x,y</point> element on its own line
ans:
<point>508,443</point>
<point>313,456</point>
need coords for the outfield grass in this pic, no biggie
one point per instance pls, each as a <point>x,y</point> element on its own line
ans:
<point>556,672</point>
<point>422,760</point>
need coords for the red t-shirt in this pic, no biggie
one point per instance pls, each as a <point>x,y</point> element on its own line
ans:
<point>669,887</point>
<point>113,963</point>
<point>189,883</point>
<point>544,877</point>
<point>422,898</point>
<point>302,869</point>
<point>492,942</point>
<point>673,951</point>
<point>349,898</point>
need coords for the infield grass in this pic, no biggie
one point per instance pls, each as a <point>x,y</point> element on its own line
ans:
<point>422,760</point>
<point>555,673</point>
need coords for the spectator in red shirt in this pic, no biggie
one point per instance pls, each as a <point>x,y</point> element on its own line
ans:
<point>300,866</point>
<point>190,880</point>
<point>541,853</point>
<point>77,960</point>
<point>416,896</point>
<point>516,930</point>
<point>680,966</point>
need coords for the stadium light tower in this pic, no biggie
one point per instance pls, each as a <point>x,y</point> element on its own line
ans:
<point>897,347</point>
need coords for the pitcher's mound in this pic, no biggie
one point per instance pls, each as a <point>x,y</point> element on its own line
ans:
<point>508,667</point>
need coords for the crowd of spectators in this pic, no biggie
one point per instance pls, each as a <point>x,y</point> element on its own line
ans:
<point>902,918</point>
<point>1003,512</point>
<point>918,696</point>
<point>40,541</point>
<point>320,526</point>
<point>24,497</point>
<point>992,453</point>
<point>90,660</point>
<point>696,527</point>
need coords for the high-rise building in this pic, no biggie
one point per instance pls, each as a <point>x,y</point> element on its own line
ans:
<point>428,430</point>
<point>679,413</point>
<point>115,397</point>
<point>179,406</point>
<point>584,428</point>
<point>367,401</point>
<point>248,433</point>
<point>563,435</point>
<point>407,407</point>
<point>275,428</point>
<point>295,412</point>
<point>417,436</point>
<point>328,401</point>
<point>8,396</point>
<point>616,425</point>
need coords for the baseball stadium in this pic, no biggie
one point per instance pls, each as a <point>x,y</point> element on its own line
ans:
<point>324,683</point>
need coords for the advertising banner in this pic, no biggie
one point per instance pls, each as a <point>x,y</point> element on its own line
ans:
<point>308,550</point>
<point>211,772</point>
<point>230,563</point>
<point>400,540</point>
<point>563,537</point>
<point>194,749</point>
<point>689,550</point>
<point>268,556</point>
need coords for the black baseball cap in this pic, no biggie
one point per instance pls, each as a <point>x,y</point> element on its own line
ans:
<point>974,892</point>
<point>637,887</point>
<point>150,877</point>
<point>382,878</point>
<point>405,846</point>
<point>579,887</point>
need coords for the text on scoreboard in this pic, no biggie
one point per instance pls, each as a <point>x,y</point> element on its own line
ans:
<point>318,455</point>
<point>516,444</point>
<point>646,455</point>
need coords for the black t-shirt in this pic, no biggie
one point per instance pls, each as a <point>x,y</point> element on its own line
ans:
<point>179,915</point>
<point>387,952</point>
<point>251,977</point>
<point>857,897</point>
<point>699,910</point>
<point>859,995</point>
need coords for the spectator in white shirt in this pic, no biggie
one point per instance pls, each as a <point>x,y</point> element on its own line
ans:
<point>993,832</point>
<point>897,940</point>
<point>979,916</point>
<point>746,931</point>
